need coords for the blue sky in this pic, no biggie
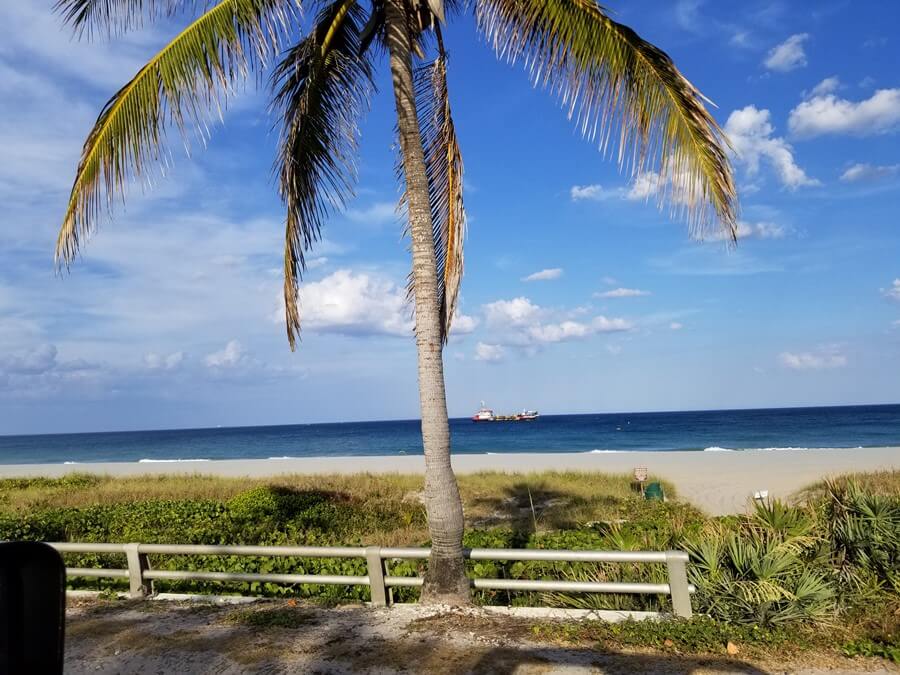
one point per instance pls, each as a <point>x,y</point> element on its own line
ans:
<point>580,295</point>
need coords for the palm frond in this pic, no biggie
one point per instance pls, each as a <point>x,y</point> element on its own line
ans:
<point>191,74</point>
<point>322,85</point>
<point>111,16</point>
<point>444,166</point>
<point>611,80</point>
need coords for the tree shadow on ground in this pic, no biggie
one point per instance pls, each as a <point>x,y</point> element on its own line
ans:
<point>284,638</point>
<point>526,508</point>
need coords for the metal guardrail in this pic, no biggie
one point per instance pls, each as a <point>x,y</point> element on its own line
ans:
<point>141,576</point>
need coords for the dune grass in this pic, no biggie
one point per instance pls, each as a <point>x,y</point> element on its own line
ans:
<point>884,483</point>
<point>555,500</point>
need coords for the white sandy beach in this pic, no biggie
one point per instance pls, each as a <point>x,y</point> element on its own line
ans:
<point>718,482</point>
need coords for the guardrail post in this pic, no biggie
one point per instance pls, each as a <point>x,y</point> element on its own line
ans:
<point>678,584</point>
<point>137,565</point>
<point>375,565</point>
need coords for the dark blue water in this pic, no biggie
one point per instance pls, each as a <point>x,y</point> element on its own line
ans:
<point>843,427</point>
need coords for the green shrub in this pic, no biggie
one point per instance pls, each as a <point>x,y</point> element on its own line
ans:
<point>868,647</point>
<point>761,570</point>
<point>697,635</point>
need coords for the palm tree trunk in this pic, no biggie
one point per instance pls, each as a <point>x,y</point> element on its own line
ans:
<point>445,580</point>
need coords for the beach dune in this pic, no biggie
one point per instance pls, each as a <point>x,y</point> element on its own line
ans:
<point>718,482</point>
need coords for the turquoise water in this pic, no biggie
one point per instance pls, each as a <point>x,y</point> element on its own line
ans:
<point>851,426</point>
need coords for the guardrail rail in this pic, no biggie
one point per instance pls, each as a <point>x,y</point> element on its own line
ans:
<point>140,575</point>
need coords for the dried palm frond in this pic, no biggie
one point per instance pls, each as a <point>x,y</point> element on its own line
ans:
<point>190,75</point>
<point>112,16</point>
<point>611,80</point>
<point>322,86</point>
<point>444,166</point>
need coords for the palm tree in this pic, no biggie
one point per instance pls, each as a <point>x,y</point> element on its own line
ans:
<point>616,86</point>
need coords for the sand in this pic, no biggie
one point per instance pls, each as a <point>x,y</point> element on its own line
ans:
<point>718,482</point>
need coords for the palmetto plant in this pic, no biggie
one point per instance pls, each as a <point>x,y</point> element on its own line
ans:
<point>624,94</point>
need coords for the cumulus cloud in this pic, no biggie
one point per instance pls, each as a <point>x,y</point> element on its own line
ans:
<point>676,326</point>
<point>827,86</point>
<point>489,352</point>
<point>230,356</point>
<point>520,323</point>
<point>38,372</point>
<point>750,131</point>
<point>588,192</point>
<point>354,303</point>
<point>516,312</point>
<point>823,359</point>
<point>545,275</point>
<point>829,114</point>
<point>622,293</point>
<point>862,172</point>
<point>154,361</point>
<point>789,55</point>
<point>463,324</point>
<point>893,291</point>
<point>644,186</point>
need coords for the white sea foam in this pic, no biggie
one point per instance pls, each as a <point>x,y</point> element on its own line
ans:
<point>169,461</point>
<point>71,462</point>
<point>284,457</point>
<point>596,451</point>
<point>775,449</point>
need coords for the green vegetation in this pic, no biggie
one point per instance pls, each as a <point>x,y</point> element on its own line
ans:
<point>830,561</point>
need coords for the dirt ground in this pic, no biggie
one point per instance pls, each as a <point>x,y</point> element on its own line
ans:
<point>286,637</point>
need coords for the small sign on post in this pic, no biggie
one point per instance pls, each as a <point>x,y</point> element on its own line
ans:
<point>640,475</point>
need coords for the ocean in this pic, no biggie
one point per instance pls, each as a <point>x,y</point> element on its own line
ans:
<point>710,431</point>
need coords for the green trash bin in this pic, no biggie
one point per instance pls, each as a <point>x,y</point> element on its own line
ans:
<point>654,492</point>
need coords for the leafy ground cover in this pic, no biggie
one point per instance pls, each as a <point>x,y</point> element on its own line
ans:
<point>824,569</point>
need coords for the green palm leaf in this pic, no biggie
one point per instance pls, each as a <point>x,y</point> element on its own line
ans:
<point>611,80</point>
<point>322,86</point>
<point>183,81</point>
<point>444,166</point>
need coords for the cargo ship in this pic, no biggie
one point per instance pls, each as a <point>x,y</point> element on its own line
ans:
<point>487,415</point>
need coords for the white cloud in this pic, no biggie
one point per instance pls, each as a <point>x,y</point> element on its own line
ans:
<point>893,292</point>
<point>379,213</point>
<point>353,303</point>
<point>516,312</point>
<point>644,186</point>
<point>154,361</point>
<point>489,352</point>
<point>521,323</point>
<point>868,172</point>
<point>463,324</point>
<point>609,281</point>
<point>827,86</point>
<point>601,324</point>
<point>676,326</point>
<point>829,114</point>
<point>545,275</point>
<point>823,359</point>
<point>557,332</point>
<point>789,55</point>
<point>588,192</point>
<point>315,263</point>
<point>231,355</point>
<point>750,132</point>
<point>622,293</point>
